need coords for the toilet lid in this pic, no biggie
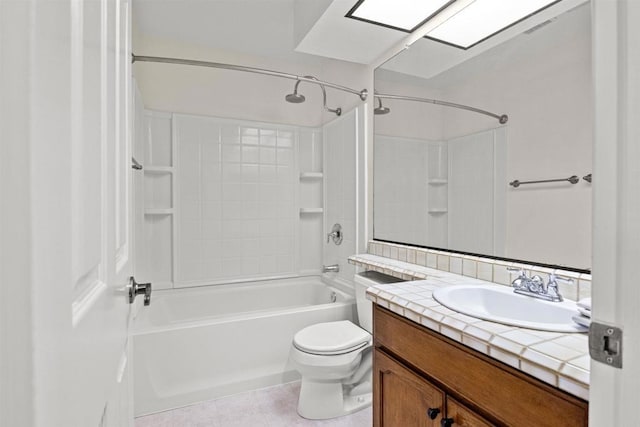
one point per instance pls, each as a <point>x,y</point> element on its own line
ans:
<point>331,338</point>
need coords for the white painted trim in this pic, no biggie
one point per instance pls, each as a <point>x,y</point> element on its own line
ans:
<point>175,195</point>
<point>16,279</point>
<point>616,206</point>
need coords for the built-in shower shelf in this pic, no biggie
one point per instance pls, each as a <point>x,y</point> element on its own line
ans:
<point>311,211</point>
<point>158,169</point>
<point>437,211</point>
<point>166,211</point>
<point>438,181</point>
<point>311,175</point>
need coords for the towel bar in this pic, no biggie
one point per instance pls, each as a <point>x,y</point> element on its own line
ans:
<point>572,179</point>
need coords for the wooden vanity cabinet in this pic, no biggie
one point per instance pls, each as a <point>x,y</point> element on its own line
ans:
<point>422,378</point>
<point>410,400</point>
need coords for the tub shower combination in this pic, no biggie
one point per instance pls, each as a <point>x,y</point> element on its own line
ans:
<point>222,200</point>
<point>197,344</point>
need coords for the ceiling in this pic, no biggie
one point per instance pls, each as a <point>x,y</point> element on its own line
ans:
<point>305,30</point>
<point>279,28</point>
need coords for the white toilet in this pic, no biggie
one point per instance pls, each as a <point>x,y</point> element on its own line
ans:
<point>335,361</point>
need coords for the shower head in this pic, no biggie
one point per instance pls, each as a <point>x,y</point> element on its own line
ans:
<point>380,109</point>
<point>295,97</point>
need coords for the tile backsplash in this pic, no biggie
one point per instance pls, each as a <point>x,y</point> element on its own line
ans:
<point>482,268</point>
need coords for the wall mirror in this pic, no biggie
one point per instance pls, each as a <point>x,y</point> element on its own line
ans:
<point>442,174</point>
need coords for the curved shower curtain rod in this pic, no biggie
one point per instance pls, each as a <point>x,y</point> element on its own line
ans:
<point>309,79</point>
<point>501,118</point>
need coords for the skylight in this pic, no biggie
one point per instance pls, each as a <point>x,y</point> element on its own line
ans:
<point>467,22</point>
<point>405,15</point>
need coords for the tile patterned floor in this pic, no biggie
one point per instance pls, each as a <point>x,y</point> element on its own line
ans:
<point>269,407</point>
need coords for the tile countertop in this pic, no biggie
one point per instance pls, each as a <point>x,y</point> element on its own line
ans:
<point>559,359</point>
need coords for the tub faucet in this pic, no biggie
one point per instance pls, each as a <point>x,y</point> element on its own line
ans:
<point>334,268</point>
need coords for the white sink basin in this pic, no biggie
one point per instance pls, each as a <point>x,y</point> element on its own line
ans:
<point>499,304</point>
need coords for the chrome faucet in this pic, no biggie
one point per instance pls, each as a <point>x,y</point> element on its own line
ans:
<point>334,268</point>
<point>552,286</point>
<point>336,234</point>
<point>535,287</point>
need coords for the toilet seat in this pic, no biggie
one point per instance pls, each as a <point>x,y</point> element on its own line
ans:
<point>331,338</point>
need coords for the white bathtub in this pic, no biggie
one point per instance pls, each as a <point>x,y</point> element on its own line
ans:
<point>197,344</point>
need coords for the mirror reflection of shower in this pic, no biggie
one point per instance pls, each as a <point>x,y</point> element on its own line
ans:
<point>502,118</point>
<point>379,110</point>
<point>297,98</point>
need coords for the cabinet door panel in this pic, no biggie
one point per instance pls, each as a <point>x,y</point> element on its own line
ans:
<point>475,377</point>
<point>403,398</point>
<point>463,416</point>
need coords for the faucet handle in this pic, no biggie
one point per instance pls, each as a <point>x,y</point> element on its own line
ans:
<point>522,280</point>
<point>552,286</point>
<point>554,278</point>
<point>520,271</point>
<point>336,234</point>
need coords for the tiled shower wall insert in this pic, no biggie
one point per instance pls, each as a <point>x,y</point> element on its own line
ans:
<point>478,267</point>
<point>236,200</point>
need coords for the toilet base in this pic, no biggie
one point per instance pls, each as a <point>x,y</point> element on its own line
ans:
<point>324,400</point>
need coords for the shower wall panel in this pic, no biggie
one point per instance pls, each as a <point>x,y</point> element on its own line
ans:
<point>341,141</point>
<point>237,211</point>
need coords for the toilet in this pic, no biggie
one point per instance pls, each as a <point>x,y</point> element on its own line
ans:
<point>335,360</point>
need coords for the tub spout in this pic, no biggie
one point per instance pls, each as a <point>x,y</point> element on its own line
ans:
<point>334,268</point>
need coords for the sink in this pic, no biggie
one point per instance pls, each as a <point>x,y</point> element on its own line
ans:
<point>499,304</point>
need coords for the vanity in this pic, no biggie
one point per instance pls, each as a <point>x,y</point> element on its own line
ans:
<point>437,367</point>
<point>422,378</point>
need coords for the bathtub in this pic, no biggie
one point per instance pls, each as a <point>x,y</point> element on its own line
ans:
<point>196,344</point>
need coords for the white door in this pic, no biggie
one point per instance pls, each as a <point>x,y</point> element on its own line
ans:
<point>75,82</point>
<point>614,393</point>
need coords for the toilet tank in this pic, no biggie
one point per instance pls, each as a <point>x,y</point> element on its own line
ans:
<point>362,282</point>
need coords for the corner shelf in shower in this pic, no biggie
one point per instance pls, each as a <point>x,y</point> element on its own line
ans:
<point>311,175</point>
<point>437,211</point>
<point>438,181</point>
<point>158,169</point>
<point>165,211</point>
<point>311,211</point>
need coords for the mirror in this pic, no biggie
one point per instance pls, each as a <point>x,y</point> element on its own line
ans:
<point>441,174</point>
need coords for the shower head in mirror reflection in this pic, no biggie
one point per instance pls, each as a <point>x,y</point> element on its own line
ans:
<point>380,109</point>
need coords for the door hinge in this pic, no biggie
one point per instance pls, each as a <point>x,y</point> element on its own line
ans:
<point>605,344</point>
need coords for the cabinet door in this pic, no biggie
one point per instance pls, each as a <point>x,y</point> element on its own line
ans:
<point>461,416</point>
<point>402,398</point>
